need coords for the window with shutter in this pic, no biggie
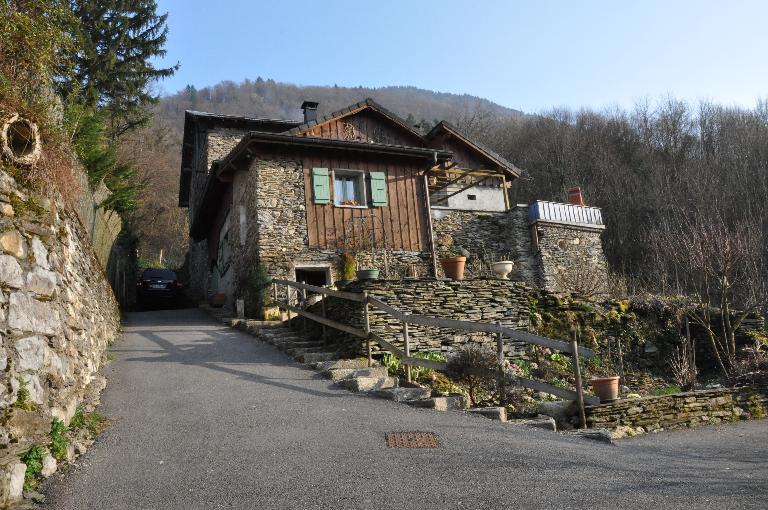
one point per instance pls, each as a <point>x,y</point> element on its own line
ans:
<point>378,189</point>
<point>321,186</point>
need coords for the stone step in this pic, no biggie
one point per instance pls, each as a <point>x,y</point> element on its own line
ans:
<point>278,341</point>
<point>300,351</point>
<point>298,344</point>
<point>324,366</point>
<point>368,383</point>
<point>493,413</point>
<point>314,357</point>
<point>403,394</point>
<point>337,374</point>
<point>450,403</point>
<point>540,422</point>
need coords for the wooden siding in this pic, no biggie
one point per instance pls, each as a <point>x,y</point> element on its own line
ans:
<point>365,125</point>
<point>398,225</point>
<point>463,156</point>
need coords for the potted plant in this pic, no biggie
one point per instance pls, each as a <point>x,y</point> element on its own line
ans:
<point>606,387</point>
<point>453,264</point>
<point>347,269</point>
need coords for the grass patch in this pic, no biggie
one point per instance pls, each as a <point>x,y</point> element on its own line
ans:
<point>666,390</point>
<point>22,397</point>
<point>93,423</point>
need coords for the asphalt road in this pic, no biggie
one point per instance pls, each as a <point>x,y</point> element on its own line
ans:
<point>206,417</point>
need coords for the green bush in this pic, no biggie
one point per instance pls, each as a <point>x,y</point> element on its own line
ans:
<point>59,440</point>
<point>424,374</point>
<point>33,459</point>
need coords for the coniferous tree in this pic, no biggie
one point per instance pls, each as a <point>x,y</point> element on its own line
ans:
<point>113,72</point>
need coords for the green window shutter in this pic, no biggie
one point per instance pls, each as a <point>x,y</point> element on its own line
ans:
<point>321,186</point>
<point>378,189</point>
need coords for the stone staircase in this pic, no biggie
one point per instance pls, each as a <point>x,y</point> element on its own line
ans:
<point>352,374</point>
<point>303,347</point>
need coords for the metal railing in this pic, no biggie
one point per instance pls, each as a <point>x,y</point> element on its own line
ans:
<point>501,333</point>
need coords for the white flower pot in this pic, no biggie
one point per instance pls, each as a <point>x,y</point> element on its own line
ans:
<point>502,268</point>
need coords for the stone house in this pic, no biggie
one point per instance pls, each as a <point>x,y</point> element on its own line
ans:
<point>291,196</point>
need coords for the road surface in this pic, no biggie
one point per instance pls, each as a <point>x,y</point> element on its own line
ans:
<point>204,416</point>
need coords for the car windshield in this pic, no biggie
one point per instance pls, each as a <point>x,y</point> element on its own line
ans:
<point>162,274</point>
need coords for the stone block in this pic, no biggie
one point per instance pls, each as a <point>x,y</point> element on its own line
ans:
<point>449,403</point>
<point>403,394</point>
<point>368,383</point>
<point>49,465</point>
<point>40,253</point>
<point>28,314</point>
<point>42,282</point>
<point>11,274</point>
<point>12,243</point>
<point>32,352</point>
<point>493,413</point>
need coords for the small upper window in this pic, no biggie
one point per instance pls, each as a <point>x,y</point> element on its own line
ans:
<point>349,188</point>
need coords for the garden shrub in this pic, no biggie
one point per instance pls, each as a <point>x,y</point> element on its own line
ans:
<point>475,367</point>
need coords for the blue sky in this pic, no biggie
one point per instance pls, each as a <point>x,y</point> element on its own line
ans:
<point>531,55</point>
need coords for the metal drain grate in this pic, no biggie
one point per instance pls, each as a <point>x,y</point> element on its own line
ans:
<point>412,440</point>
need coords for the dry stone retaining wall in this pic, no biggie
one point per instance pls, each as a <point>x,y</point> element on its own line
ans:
<point>484,300</point>
<point>680,410</point>
<point>57,317</point>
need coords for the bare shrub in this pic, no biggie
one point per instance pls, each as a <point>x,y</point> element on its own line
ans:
<point>474,366</point>
<point>683,364</point>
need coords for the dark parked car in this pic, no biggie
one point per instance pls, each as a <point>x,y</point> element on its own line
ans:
<point>159,288</point>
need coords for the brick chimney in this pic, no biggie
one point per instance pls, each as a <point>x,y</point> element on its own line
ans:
<point>575,197</point>
<point>310,110</point>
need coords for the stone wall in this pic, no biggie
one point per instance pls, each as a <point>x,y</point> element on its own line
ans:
<point>571,259</point>
<point>485,300</point>
<point>489,237</point>
<point>679,410</point>
<point>552,256</point>
<point>57,318</point>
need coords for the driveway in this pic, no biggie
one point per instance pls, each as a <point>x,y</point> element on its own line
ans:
<point>207,417</point>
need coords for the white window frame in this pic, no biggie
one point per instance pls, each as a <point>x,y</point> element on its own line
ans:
<point>360,175</point>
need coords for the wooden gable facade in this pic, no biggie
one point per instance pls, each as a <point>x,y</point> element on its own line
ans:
<point>398,219</point>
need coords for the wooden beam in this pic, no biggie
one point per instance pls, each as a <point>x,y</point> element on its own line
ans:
<point>327,322</point>
<point>442,199</point>
<point>351,296</point>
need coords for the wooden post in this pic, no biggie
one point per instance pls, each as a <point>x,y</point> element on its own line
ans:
<point>288,301</point>
<point>304,308</point>
<point>500,355</point>
<point>367,329</point>
<point>407,350</point>
<point>579,388</point>
<point>322,307</point>
<point>429,225</point>
<point>274,296</point>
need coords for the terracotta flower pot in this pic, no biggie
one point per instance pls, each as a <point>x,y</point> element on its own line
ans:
<point>606,388</point>
<point>453,267</point>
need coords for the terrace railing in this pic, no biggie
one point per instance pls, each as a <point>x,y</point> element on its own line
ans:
<point>298,305</point>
